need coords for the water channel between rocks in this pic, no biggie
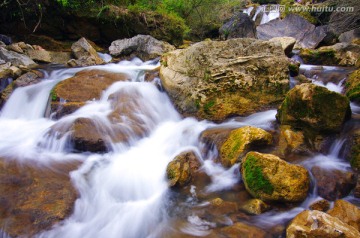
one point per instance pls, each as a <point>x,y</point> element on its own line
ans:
<point>124,193</point>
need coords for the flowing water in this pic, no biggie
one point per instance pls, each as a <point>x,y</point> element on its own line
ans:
<point>124,193</point>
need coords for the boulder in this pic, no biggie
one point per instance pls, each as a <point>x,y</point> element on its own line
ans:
<point>291,141</point>
<point>240,141</point>
<point>321,205</point>
<point>315,107</point>
<point>255,207</point>
<point>239,26</point>
<point>353,150</point>
<point>353,86</point>
<point>143,46</point>
<point>269,178</point>
<point>85,54</point>
<point>49,56</point>
<point>287,43</point>
<point>349,36</point>
<point>217,79</point>
<point>305,33</point>
<point>34,199</point>
<point>343,54</point>
<point>319,224</point>
<point>16,59</point>
<point>333,184</point>
<point>346,212</point>
<point>242,230</point>
<point>72,93</point>
<point>182,168</point>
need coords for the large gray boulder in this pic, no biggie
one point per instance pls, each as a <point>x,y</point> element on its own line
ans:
<point>217,79</point>
<point>143,46</point>
<point>306,34</point>
<point>85,54</point>
<point>239,26</point>
<point>349,36</point>
<point>16,59</point>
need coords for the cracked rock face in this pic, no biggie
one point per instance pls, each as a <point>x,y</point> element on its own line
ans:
<point>217,79</point>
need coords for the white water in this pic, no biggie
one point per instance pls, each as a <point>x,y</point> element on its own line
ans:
<point>123,192</point>
<point>271,12</point>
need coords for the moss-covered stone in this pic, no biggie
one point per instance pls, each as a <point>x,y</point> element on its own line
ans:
<point>314,107</point>
<point>181,169</point>
<point>353,86</point>
<point>353,152</point>
<point>269,178</point>
<point>319,56</point>
<point>239,142</point>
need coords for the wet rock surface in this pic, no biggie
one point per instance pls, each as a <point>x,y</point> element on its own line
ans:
<point>33,199</point>
<point>269,178</point>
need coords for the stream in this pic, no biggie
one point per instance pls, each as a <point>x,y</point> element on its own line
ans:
<point>124,193</point>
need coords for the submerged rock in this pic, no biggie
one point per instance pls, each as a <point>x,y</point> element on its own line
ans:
<point>319,224</point>
<point>72,93</point>
<point>315,107</point>
<point>269,178</point>
<point>240,229</point>
<point>182,168</point>
<point>239,26</point>
<point>218,79</point>
<point>218,207</point>
<point>333,184</point>
<point>143,46</point>
<point>240,141</point>
<point>34,199</point>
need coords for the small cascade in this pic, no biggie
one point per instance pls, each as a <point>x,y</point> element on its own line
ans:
<point>106,57</point>
<point>270,12</point>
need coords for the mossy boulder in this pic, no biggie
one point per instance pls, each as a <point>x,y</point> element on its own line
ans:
<point>319,224</point>
<point>72,93</point>
<point>353,86</point>
<point>240,141</point>
<point>34,199</point>
<point>269,178</point>
<point>314,107</point>
<point>343,54</point>
<point>215,80</point>
<point>353,150</point>
<point>181,169</point>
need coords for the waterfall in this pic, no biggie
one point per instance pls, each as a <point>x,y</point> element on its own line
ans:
<point>124,192</point>
<point>270,12</point>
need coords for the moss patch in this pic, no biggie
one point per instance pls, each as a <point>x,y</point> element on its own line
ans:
<point>254,177</point>
<point>353,86</point>
<point>319,57</point>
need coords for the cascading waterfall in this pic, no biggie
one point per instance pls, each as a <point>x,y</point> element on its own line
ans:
<point>123,193</point>
<point>270,12</point>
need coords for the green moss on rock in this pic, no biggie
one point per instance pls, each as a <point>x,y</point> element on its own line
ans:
<point>353,86</point>
<point>255,177</point>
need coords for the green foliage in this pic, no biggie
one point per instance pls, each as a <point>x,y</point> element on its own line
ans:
<point>254,176</point>
<point>208,106</point>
